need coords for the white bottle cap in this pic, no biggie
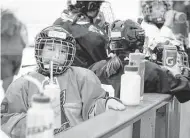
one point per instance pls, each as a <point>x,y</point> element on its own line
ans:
<point>131,67</point>
<point>40,98</point>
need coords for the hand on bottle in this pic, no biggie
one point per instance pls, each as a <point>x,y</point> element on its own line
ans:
<point>114,104</point>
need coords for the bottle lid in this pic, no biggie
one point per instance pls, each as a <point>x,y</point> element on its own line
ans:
<point>131,67</point>
<point>40,98</point>
<point>136,56</point>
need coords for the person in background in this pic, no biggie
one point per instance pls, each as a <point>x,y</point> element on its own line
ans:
<point>80,96</point>
<point>183,28</point>
<point>80,19</point>
<point>187,11</point>
<point>157,79</point>
<point>159,19</point>
<point>13,41</point>
<point>153,15</point>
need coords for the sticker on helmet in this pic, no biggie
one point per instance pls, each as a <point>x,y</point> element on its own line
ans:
<point>57,34</point>
<point>115,34</point>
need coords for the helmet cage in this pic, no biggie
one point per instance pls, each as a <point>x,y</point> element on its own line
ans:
<point>154,11</point>
<point>67,47</point>
<point>183,58</point>
<point>116,45</point>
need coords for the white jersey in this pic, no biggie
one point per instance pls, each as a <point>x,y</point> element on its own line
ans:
<point>152,31</point>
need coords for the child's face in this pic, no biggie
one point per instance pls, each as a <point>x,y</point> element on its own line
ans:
<point>55,52</point>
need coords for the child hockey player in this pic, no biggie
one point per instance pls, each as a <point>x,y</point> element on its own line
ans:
<point>80,96</point>
<point>13,41</point>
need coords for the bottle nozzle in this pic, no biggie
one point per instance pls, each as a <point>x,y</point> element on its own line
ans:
<point>51,72</point>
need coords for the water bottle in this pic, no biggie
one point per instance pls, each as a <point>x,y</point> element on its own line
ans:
<point>139,60</point>
<point>130,85</point>
<point>40,118</point>
<point>52,90</point>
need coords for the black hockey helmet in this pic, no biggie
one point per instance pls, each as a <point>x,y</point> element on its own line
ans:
<point>84,6</point>
<point>126,36</point>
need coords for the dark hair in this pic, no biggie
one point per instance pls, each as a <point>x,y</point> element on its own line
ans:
<point>112,66</point>
<point>84,6</point>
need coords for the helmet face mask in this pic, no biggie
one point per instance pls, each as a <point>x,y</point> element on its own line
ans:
<point>154,11</point>
<point>57,45</point>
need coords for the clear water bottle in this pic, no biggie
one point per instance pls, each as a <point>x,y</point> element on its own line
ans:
<point>40,118</point>
<point>52,90</point>
<point>130,85</point>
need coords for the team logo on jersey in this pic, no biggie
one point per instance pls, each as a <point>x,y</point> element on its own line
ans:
<point>4,107</point>
<point>92,28</point>
<point>65,124</point>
